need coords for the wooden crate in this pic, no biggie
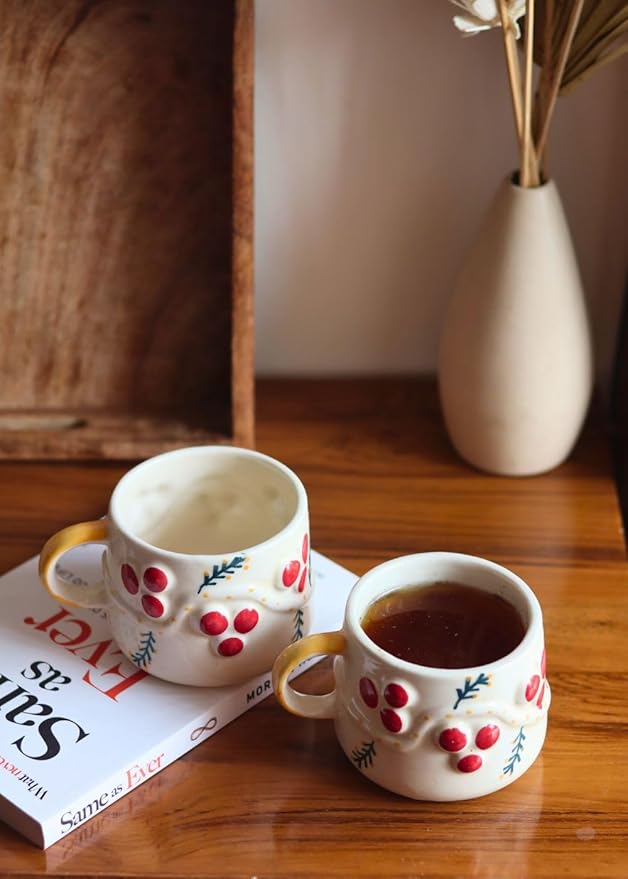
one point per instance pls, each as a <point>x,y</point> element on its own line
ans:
<point>126,156</point>
<point>619,414</point>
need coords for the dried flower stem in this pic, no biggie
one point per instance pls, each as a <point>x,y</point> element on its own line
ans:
<point>512,64</point>
<point>544,80</point>
<point>529,172</point>
<point>557,75</point>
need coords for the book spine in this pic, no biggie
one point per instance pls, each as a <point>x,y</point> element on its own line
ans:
<point>234,702</point>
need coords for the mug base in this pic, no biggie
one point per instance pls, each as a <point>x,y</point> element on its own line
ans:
<point>425,773</point>
<point>198,660</point>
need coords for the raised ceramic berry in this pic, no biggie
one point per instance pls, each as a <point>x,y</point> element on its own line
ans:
<point>532,688</point>
<point>452,740</point>
<point>129,579</point>
<point>230,646</point>
<point>544,663</point>
<point>391,720</point>
<point>396,695</point>
<point>302,580</point>
<point>214,623</point>
<point>487,736</point>
<point>245,620</point>
<point>152,606</point>
<point>290,573</point>
<point>295,571</point>
<point>368,692</point>
<point>469,763</point>
<point>155,579</point>
<point>539,701</point>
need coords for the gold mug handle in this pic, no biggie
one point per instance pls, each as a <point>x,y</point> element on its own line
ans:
<point>301,704</point>
<point>73,594</point>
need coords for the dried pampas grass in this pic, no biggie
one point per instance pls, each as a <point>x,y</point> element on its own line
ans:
<point>567,39</point>
<point>573,38</point>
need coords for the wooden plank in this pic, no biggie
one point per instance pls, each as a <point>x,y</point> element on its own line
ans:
<point>619,412</point>
<point>242,355</point>
<point>120,173</point>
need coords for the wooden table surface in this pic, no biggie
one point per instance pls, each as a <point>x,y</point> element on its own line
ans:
<point>272,795</point>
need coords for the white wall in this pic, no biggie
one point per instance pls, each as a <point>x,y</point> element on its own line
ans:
<point>381,135</point>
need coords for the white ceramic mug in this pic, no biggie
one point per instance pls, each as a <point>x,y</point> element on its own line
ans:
<point>206,570</point>
<point>430,733</point>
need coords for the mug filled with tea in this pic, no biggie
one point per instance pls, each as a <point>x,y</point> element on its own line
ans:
<point>440,687</point>
<point>206,565</point>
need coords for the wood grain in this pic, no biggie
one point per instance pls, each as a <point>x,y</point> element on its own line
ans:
<point>619,409</point>
<point>126,225</point>
<point>242,331</point>
<point>273,795</point>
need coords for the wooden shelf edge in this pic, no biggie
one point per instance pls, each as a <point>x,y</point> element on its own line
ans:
<point>75,436</point>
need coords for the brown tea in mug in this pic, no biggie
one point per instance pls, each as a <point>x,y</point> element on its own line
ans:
<point>444,625</point>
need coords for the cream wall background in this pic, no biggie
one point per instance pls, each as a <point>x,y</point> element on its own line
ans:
<point>381,135</point>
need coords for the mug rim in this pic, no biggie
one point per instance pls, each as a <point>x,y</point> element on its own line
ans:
<point>185,451</point>
<point>354,629</point>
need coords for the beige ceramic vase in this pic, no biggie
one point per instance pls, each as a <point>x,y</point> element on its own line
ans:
<point>515,367</point>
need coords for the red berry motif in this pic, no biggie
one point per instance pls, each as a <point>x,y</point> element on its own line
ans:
<point>152,606</point>
<point>296,570</point>
<point>532,688</point>
<point>535,688</point>
<point>155,579</point>
<point>302,580</point>
<point>487,736</point>
<point>456,741</point>
<point>452,740</point>
<point>368,692</point>
<point>290,573</point>
<point>230,646</point>
<point>469,763</point>
<point>129,579</point>
<point>214,623</point>
<point>391,720</point>
<point>245,620</point>
<point>395,695</point>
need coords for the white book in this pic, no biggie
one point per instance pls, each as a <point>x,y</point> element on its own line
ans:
<point>67,694</point>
